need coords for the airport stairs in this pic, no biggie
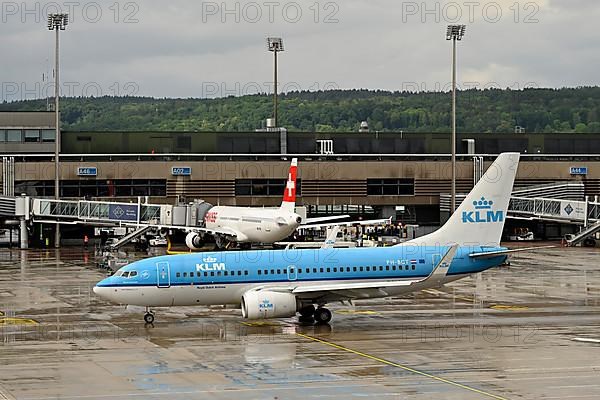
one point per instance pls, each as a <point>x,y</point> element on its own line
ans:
<point>123,240</point>
<point>584,234</point>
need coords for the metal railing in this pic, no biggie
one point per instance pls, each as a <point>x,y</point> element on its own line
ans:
<point>539,207</point>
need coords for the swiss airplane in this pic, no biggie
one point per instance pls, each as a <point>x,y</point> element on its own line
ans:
<point>252,224</point>
<point>257,225</point>
<point>278,284</point>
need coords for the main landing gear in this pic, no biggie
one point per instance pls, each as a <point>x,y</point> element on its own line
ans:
<point>310,315</point>
<point>322,315</point>
<point>149,316</point>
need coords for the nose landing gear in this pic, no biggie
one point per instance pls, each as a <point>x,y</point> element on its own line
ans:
<point>149,316</point>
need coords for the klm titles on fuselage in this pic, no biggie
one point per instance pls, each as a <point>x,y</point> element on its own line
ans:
<point>482,213</point>
<point>210,264</point>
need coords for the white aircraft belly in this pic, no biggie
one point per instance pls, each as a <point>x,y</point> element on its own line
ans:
<point>231,293</point>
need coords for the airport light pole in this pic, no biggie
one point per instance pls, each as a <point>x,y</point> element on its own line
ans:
<point>454,33</point>
<point>57,22</point>
<point>275,45</point>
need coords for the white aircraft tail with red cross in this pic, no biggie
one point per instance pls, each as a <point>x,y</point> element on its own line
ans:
<point>289,193</point>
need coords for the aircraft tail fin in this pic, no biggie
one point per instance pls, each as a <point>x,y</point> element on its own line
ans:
<point>289,192</point>
<point>479,220</point>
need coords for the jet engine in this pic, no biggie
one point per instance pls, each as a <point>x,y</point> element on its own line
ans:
<point>194,241</point>
<point>262,304</point>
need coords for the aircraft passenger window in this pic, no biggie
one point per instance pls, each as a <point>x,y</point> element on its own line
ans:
<point>322,270</point>
<point>361,269</point>
<point>393,267</point>
<point>239,273</point>
<point>347,269</point>
<point>266,271</point>
<point>407,267</point>
<point>285,271</point>
<point>354,269</point>
<point>413,267</point>
<point>368,269</point>
<point>212,273</point>
<point>381,267</point>
<point>245,272</point>
<point>205,273</point>
<point>314,270</point>
<point>272,272</point>
<point>178,274</point>
<point>299,270</point>
<point>279,271</point>
<point>225,273</point>
<point>185,274</point>
<point>328,269</point>
<point>334,269</point>
<point>218,273</point>
<point>191,274</point>
<point>259,271</point>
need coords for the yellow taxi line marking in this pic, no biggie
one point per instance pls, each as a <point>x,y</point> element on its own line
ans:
<point>404,367</point>
<point>508,307</point>
<point>17,321</point>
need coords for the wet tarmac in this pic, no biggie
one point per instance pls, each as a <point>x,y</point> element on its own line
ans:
<point>527,331</point>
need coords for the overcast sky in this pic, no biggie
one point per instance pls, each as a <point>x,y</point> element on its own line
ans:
<point>193,48</point>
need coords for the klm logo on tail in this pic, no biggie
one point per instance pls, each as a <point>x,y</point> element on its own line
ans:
<point>483,213</point>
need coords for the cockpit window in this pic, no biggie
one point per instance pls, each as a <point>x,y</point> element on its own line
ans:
<point>125,274</point>
<point>132,274</point>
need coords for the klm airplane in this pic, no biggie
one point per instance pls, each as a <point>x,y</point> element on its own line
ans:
<point>278,284</point>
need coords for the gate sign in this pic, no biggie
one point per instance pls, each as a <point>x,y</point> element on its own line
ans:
<point>87,171</point>
<point>181,171</point>
<point>578,170</point>
<point>123,212</point>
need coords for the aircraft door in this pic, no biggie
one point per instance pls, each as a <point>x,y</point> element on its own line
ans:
<point>163,276</point>
<point>292,272</point>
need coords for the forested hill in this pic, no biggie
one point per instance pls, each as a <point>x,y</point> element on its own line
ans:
<point>537,110</point>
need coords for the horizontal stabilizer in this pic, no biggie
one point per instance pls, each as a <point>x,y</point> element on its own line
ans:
<point>497,253</point>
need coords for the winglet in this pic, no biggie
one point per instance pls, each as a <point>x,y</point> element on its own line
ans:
<point>289,192</point>
<point>331,237</point>
<point>440,271</point>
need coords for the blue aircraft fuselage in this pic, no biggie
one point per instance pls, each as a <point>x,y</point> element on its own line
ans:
<point>232,273</point>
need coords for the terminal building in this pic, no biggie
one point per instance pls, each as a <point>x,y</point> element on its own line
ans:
<point>365,174</point>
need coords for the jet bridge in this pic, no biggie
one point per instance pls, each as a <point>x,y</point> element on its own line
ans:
<point>139,215</point>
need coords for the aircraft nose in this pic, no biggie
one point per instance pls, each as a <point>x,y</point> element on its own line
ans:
<point>101,291</point>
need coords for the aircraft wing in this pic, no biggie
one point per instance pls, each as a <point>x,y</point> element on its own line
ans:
<point>354,290</point>
<point>223,231</point>
<point>323,219</point>
<point>491,254</point>
<point>384,221</point>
